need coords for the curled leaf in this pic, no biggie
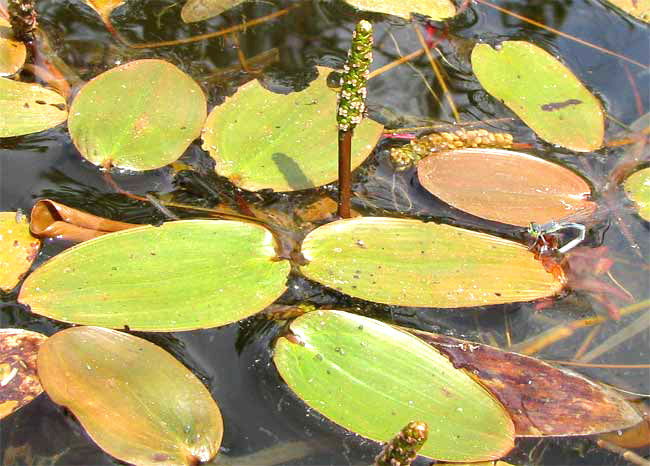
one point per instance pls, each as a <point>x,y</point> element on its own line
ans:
<point>51,219</point>
<point>136,401</point>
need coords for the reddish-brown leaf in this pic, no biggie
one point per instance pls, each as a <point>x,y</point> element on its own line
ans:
<point>542,400</point>
<point>505,186</point>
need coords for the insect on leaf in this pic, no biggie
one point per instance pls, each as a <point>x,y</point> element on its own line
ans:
<point>411,263</point>
<point>505,186</point>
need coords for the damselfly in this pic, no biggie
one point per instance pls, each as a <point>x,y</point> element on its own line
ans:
<point>579,223</point>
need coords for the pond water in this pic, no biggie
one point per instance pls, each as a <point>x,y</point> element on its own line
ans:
<point>259,411</point>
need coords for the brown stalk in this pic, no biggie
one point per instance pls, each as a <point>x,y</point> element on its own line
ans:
<point>345,175</point>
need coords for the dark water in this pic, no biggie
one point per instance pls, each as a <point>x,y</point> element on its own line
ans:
<point>234,362</point>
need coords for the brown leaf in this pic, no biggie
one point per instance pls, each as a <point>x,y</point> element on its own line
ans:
<point>542,400</point>
<point>505,186</point>
<point>19,383</point>
<point>51,219</point>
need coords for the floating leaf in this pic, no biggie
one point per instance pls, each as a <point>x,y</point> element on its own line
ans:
<point>373,379</point>
<point>410,263</point>
<point>637,188</point>
<point>261,139</point>
<point>542,92</point>
<point>18,249</point>
<point>140,116</point>
<point>19,383</point>
<point>134,399</point>
<point>199,10</point>
<point>505,186</point>
<point>637,8</point>
<point>12,52</point>
<point>435,9</point>
<point>51,219</point>
<point>104,7</point>
<point>542,400</point>
<point>179,276</point>
<point>28,108</point>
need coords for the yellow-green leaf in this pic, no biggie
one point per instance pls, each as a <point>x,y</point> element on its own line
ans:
<point>199,10</point>
<point>261,139</point>
<point>637,8</point>
<point>18,249</point>
<point>542,92</point>
<point>637,188</point>
<point>12,52</point>
<point>435,9</point>
<point>180,276</point>
<point>140,116</point>
<point>411,263</point>
<point>135,400</point>
<point>373,379</point>
<point>28,108</point>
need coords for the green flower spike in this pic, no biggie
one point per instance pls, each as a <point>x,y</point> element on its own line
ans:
<point>352,95</point>
<point>403,448</point>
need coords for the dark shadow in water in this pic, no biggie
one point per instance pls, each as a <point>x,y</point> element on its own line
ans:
<point>292,172</point>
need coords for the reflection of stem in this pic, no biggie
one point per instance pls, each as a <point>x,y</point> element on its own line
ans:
<point>438,73</point>
<point>560,332</point>
<point>397,62</point>
<point>210,35</point>
<point>345,147</point>
<point>560,33</point>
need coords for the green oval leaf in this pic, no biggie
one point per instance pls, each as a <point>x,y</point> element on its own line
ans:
<point>373,379</point>
<point>435,9</point>
<point>179,276</point>
<point>637,188</point>
<point>505,186</point>
<point>134,399</point>
<point>139,116</point>
<point>410,263</point>
<point>28,108</point>
<point>12,52</point>
<point>18,249</point>
<point>19,383</point>
<point>542,92</point>
<point>261,139</point>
